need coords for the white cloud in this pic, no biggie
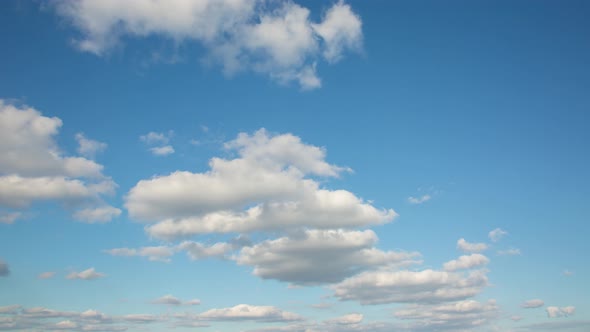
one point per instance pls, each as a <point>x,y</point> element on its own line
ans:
<point>497,234</point>
<point>464,315</point>
<point>320,256</point>
<point>509,252</point>
<point>274,38</point>
<point>97,215</point>
<point>89,274</point>
<point>87,147</point>
<point>568,273</point>
<point>9,217</point>
<point>10,309</point>
<point>349,319</point>
<point>168,300</point>
<point>153,138</point>
<point>4,269</point>
<point>427,286</point>
<point>466,262</point>
<point>155,253</point>
<point>33,168</point>
<point>535,303</point>
<point>250,312</point>
<point>198,251</point>
<point>554,312</point>
<point>471,247</point>
<point>46,275</point>
<point>269,178</point>
<point>162,150</point>
<point>419,200</point>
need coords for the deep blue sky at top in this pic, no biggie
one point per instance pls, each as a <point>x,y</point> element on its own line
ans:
<point>484,103</point>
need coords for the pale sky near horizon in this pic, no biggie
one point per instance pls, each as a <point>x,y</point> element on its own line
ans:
<point>269,165</point>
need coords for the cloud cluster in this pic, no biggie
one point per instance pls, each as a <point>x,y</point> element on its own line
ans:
<point>89,274</point>
<point>471,247</point>
<point>275,38</point>
<point>158,143</point>
<point>33,168</point>
<point>554,312</point>
<point>267,187</point>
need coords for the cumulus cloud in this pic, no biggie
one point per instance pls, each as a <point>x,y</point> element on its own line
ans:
<point>174,301</point>
<point>466,262</point>
<point>276,39</point>
<point>497,234</point>
<point>87,147</point>
<point>33,168</point>
<point>162,150</point>
<point>4,269</point>
<point>470,247</point>
<point>455,316</point>
<point>267,187</point>
<point>426,286</point>
<point>250,312</point>
<point>100,214</point>
<point>419,200</point>
<point>320,256</point>
<point>554,312</point>
<point>535,303</point>
<point>89,274</point>
<point>46,275</point>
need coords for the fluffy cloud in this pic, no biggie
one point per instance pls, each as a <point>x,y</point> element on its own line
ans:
<point>419,200</point>
<point>535,303</point>
<point>466,262</point>
<point>4,269</point>
<point>89,274</point>
<point>267,187</point>
<point>250,312</point>
<point>87,147</point>
<point>33,168</point>
<point>427,286</point>
<point>276,39</point>
<point>470,247</point>
<point>97,215</point>
<point>162,150</point>
<point>456,316</point>
<point>158,142</point>
<point>320,256</point>
<point>553,312</point>
<point>497,234</point>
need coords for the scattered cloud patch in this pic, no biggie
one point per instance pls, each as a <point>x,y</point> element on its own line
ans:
<point>158,143</point>
<point>9,217</point>
<point>497,234</point>
<point>555,312</point>
<point>155,253</point>
<point>471,247</point>
<point>89,148</point>
<point>275,39</point>
<point>4,269</point>
<point>419,200</point>
<point>535,303</point>
<point>99,214</point>
<point>89,274</point>
<point>568,273</point>
<point>174,301</point>
<point>250,312</point>
<point>509,252</point>
<point>162,150</point>
<point>466,262</point>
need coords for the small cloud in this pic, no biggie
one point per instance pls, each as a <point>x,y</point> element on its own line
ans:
<point>193,302</point>
<point>497,234</point>
<point>46,275</point>
<point>87,147</point>
<point>174,301</point>
<point>322,305</point>
<point>162,150</point>
<point>470,247</point>
<point>509,252</point>
<point>535,303</point>
<point>568,273</point>
<point>4,269</point>
<point>516,318</point>
<point>419,200</point>
<point>555,312</point>
<point>101,214</point>
<point>153,138</point>
<point>9,218</point>
<point>89,274</point>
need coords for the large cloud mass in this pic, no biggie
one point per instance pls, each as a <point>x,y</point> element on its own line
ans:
<point>266,187</point>
<point>275,38</point>
<point>33,168</point>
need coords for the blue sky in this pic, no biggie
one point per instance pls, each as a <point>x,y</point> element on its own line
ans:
<point>258,165</point>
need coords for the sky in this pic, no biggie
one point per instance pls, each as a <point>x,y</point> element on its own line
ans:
<point>269,165</point>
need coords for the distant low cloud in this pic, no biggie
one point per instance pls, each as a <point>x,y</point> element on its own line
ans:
<point>471,247</point>
<point>497,234</point>
<point>535,303</point>
<point>46,275</point>
<point>277,39</point>
<point>89,274</point>
<point>174,301</point>
<point>154,253</point>
<point>247,312</point>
